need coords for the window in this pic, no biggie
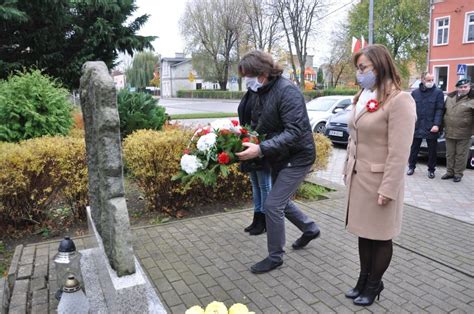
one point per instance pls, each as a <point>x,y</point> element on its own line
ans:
<point>469,28</point>
<point>441,77</point>
<point>470,72</point>
<point>442,31</point>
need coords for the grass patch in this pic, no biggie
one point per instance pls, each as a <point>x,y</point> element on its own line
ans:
<point>203,115</point>
<point>312,192</point>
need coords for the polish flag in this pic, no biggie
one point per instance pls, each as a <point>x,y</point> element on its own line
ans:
<point>364,42</point>
<point>356,45</point>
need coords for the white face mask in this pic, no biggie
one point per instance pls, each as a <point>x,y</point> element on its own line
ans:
<point>252,83</point>
<point>429,84</point>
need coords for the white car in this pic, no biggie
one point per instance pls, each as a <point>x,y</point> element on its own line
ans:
<point>321,108</point>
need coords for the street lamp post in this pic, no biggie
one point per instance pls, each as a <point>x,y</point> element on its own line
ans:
<point>371,22</point>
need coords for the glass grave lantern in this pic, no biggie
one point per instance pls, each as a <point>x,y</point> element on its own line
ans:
<point>67,262</point>
<point>73,299</point>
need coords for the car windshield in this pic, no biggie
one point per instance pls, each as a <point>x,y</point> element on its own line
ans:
<point>320,104</point>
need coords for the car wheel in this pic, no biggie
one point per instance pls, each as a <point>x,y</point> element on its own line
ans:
<point>320,127</point>
<point>470,160</point>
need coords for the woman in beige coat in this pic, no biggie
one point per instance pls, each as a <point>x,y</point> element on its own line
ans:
<point>381,132</point>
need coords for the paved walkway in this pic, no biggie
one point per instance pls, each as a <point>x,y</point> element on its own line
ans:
<point>445,197</point>
<point>196,261</point>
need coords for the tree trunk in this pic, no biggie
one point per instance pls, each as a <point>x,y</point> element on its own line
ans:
<point>302,67</point>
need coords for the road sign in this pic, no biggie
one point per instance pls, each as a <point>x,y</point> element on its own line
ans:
<point>461,69</point>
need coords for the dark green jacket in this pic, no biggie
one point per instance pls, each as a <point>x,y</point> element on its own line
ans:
<point>459,116</point>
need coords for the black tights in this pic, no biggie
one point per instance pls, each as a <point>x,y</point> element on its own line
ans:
<point>375,256</point>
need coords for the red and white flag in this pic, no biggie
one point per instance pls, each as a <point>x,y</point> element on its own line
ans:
<point>364,42</point>
<point>356,45</point>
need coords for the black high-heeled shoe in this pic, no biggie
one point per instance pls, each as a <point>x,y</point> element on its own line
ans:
<point>357,290</point>
<point>371,290</point>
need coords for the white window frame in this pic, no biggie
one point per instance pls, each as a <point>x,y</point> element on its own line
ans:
<point>435,43</point>
<point>437,74</point>
<point>466,27</point>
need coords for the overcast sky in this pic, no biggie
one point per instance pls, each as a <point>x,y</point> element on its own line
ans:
<point>165,14</point>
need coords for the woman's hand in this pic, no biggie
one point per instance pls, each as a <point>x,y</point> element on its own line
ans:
<point>383,200</point>
<point>252,151</point>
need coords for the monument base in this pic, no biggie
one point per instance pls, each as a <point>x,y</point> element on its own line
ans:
<point>108,293</point>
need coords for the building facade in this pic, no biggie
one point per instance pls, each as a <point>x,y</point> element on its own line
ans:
<point>178,74</point>
<point>451,41</point>
<point>119,79</point>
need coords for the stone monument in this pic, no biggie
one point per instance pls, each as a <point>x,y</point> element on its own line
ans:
<point>121,285</point>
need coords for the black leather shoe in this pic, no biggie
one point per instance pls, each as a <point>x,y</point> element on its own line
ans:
<point>457,179</point>
<point>431,174</point>
<point>410,171</point>
<point>303,241</point>
<point>357,290</point>
<point>447,176</point>
<point>265,266</point>
<point>371,290</point>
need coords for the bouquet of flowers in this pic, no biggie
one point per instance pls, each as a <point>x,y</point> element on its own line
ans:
<point>212,150</point>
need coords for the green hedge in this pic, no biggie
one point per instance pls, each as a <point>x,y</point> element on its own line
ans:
<point>210,93</point>
<point>311,94</point>
<point>218,94</point>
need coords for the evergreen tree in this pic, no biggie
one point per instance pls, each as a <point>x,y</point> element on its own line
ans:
<point>59,36</point>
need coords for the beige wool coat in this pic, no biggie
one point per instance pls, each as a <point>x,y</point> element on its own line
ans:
<point>377,156</point>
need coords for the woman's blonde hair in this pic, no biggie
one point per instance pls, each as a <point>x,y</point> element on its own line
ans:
<point>256,63</point>
<point>384,66</point>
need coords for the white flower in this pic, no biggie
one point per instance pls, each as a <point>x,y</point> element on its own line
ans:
<point>190,163</point>
<point>205,142</point>
<point>239,308</point>
<point>221,124</point>
<point>216,308</point>
<point>195,310</point>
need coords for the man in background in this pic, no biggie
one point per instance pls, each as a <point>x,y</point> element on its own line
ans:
<point>459,127</point>
<point>429,110</point>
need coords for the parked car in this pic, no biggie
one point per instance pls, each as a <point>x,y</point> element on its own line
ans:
<point>338,132</point>
<point>441,150</point>
<point>321,108</point>
<point>336,126</point>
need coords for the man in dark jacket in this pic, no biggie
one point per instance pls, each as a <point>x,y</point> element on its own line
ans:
<point>429,110</point>
<point>459,127</point>
<point>280,114</point>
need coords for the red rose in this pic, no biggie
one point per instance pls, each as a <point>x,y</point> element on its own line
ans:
<point>372,105</point>
<point>235,122</point>
<point>245,140</point>
<point>223,158</point>
<point>243,131</point>
<point>186,151</point>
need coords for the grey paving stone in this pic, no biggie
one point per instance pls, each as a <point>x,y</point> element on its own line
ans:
<point>180,287</point>
<point>171,298</point>
<point>17,310</point>
<point>19,294</point>
<point>39,309</point>
<point>40,297</point>
<point>199,290</point>
<point>25,271</point>
<point>38,283</point>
